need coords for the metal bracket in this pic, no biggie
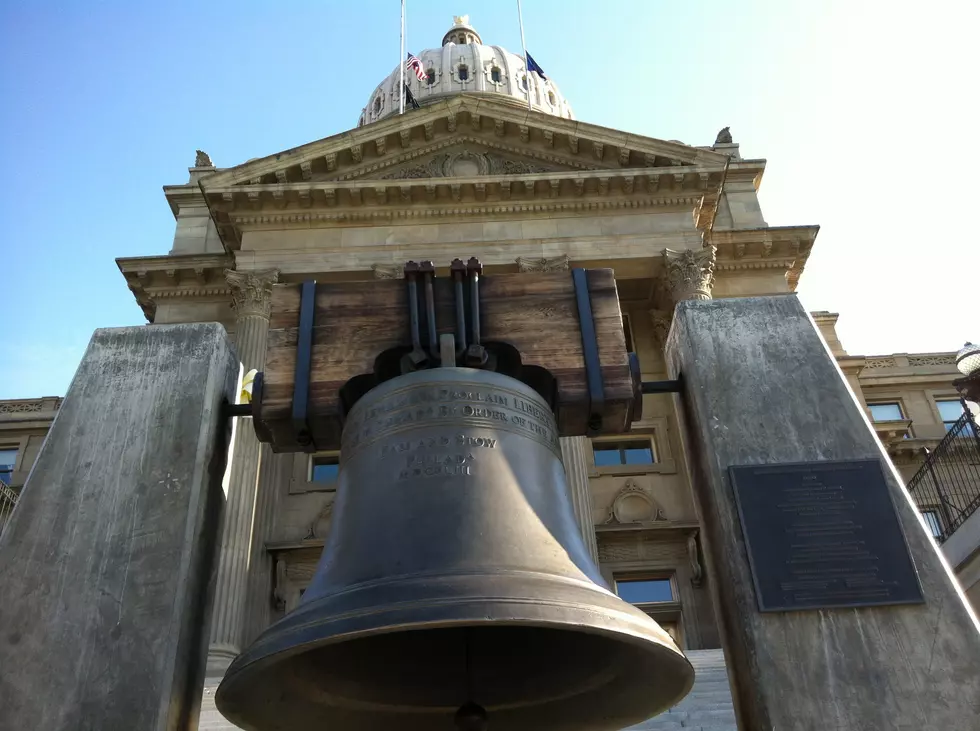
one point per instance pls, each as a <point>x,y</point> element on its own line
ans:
<point>590,350</point>
<point>304,359</point>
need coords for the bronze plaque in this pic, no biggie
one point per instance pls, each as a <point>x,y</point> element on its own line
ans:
<point>823,535</point>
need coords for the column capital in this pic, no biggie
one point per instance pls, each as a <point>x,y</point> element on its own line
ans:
<point>690,274</point>
<point>251,292</point>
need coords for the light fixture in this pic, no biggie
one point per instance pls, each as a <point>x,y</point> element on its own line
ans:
<point>968,359</point>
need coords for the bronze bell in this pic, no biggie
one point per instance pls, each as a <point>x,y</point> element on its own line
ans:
<point>455,584</point>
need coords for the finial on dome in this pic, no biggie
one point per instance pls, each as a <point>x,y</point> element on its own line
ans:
<point>462,32</point>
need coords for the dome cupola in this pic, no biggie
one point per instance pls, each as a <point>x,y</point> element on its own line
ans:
<point>463,65</point>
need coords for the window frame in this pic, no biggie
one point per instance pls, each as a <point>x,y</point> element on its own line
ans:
<point>13,465</point>
<point>311,464</point>
<point>935,527</point>
<point>627,469</point>
<point>947,424</point>
<point>627,578</point>
<point>889,402</point>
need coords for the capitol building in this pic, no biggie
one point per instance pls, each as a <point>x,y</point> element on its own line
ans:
<point>494,164</point>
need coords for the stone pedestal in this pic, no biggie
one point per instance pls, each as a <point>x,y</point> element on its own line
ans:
<point>760,387</point>
<point>105,565</point>
<point>573,456</point>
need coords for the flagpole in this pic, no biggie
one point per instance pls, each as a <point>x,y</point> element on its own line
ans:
<point>401,65</point>
<point>527,71</point>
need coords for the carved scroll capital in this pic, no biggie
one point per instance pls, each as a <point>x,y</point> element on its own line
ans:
<point>554,264</point>
<point>251,292</point>
<point>690,274</point>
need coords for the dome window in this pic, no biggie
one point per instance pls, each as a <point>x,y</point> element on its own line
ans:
<point>430,77</point>
<point>551,98</point>
<point>463,73</point>
<point>524,82</point>
<point>495,74</point>
<point>378,104</point>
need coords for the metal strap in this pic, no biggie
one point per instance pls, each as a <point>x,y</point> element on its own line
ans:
<point>304,360</point>
<point>590,350</point>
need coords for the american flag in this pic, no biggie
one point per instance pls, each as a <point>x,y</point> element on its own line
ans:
<point>414,63</point>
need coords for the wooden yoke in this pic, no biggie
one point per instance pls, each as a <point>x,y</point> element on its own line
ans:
<point>568,323</point>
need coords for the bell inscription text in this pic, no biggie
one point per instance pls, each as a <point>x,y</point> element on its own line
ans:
<point>461,405</point>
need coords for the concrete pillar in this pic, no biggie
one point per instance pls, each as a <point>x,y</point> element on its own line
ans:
<point>106,562</point>
<point>573,456</point>
<point>761,388</point>
<point>251,293</point>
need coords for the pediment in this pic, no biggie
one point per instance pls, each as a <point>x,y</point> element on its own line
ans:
<point>458,137</point>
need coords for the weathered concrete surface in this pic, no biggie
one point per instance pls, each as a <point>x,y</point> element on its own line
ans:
<point>760,387</point>
<point>106,563</point>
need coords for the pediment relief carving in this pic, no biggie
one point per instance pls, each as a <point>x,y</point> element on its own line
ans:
<point>537,140</point>
<point>469,163</point>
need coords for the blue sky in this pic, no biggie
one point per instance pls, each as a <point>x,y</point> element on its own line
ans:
<point>866,113</point>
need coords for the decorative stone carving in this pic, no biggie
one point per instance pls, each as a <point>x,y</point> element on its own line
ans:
<point>321,523</point>
<point>251,292</point>
<point>554,264</point>
<point>724,137</point>
<point>633,505</point>
<point>932,360</point>
<point>660,322</point>
<point>690,274</point>
<point>202,159</point>
<point>692,555</point>
<point>388,271</point>
<point>20,407</point>
<point>619,552</point>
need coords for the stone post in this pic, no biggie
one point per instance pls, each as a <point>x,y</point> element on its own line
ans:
<point>105,564</point>
<point>761,388</point>
<point>573,456</point>
<point>251,295</point>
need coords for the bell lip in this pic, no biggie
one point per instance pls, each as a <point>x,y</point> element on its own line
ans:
<point>667,652</point>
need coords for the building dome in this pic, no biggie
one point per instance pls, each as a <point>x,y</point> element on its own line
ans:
<point>464,65</point>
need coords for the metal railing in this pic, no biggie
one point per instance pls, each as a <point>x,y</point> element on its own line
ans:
<point>948,483</point>
<point>8,498</point>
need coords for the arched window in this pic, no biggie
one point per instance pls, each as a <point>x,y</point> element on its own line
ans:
<point>551,98</point>
<point>430,77</point>
<point>524,82</point>
<point>377,104</point>
<point>463,73</point>
<point>495,74</point>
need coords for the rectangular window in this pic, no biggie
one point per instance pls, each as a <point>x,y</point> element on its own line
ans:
<point>623,452</point>
<point>891,411</point>
<point>326,468</point>
<point>8,460</point>
<point>645,591</point>
<point>932,520</point>
<point>950,410</point>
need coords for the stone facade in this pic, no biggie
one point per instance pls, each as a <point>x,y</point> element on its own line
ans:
<point>469,175</point>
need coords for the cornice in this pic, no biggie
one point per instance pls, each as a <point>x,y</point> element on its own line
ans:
<point>775,247</point>
<point>151,278</point>
<point>276,218</point>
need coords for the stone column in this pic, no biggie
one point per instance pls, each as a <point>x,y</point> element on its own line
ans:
<point>251,296</point>
<point>761,389</point>
<point>106,562</point>
<point>573,456</point>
